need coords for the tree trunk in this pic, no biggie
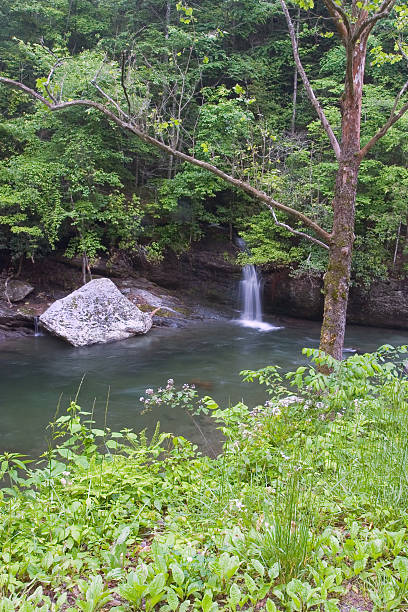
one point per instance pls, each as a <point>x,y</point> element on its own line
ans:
<point>295,83</point>
<point>337,277</point>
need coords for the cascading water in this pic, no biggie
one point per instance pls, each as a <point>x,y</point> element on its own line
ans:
<point>37,330</point>
<point>250,291</point>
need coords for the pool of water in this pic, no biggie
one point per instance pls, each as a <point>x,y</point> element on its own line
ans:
<point>38,373</point>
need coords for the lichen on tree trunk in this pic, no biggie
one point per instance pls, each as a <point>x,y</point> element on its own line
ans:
<point>337,277</point>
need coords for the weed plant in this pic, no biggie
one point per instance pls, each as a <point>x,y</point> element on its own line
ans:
<point>305,508</point>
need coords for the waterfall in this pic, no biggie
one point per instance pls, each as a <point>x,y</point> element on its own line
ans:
<point>250,292</point>
<point>37,331</point>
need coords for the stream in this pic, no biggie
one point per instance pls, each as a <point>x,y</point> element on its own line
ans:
<point>38,373</point>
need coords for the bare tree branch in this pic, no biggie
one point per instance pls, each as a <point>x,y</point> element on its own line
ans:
<point>393,118</point>
<point>315,102</point>
<point>107,97</point>
<point>50,75</point>
<point>382,131</point>
<point>296,232</point>
<point>127,125</point>
<point>122,82</point>
<point>58,62</point>
<point>401,48</point>
<point>340,18</point>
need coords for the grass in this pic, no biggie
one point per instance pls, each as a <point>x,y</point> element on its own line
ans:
<point>305,508</point>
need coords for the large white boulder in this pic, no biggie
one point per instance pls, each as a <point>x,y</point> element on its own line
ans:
<point>94,314</point>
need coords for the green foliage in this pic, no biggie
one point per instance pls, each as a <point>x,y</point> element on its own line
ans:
<point>214,79</point>
<point>267,243</point>
<point>64,188</point>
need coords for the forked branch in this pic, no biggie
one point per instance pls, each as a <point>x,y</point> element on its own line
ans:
<point>340,18</point>
<point>295,231</point>
<point>394,116</point>
<point>368,24</point>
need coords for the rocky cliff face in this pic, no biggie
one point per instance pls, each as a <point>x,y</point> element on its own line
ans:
<point>295,297</point>
<point>383,304</point>
<point>207,272</point>
<point>14,323</point>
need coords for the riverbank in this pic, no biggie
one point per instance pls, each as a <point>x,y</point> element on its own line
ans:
<point>52,280</point>
<point>199,285</point>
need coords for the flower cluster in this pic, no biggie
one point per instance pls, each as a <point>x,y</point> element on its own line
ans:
<point>170,395</point>
<point>64,481</point>
<point>236,504</point>
<point>289,400</point>
<point>274,410</point>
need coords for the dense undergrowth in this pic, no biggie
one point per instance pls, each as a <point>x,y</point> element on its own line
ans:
<point>304,509</point>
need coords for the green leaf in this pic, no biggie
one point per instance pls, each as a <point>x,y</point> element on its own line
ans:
<point>172,599</point>
<point>157,584</point>
<point>273,571</point>
<point>250,583</point>
<point>207,601</point>
<point>258,567</point>
<point>270,606</point>
<point>401,565</point>
<point>124,534</point>
<point>235,594</point>
<point>178,573</point>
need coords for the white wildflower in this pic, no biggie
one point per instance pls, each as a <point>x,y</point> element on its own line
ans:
<point>291,399</point>
<point>237,503</point>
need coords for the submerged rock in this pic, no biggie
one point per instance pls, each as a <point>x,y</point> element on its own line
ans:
<point>95,314</point>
